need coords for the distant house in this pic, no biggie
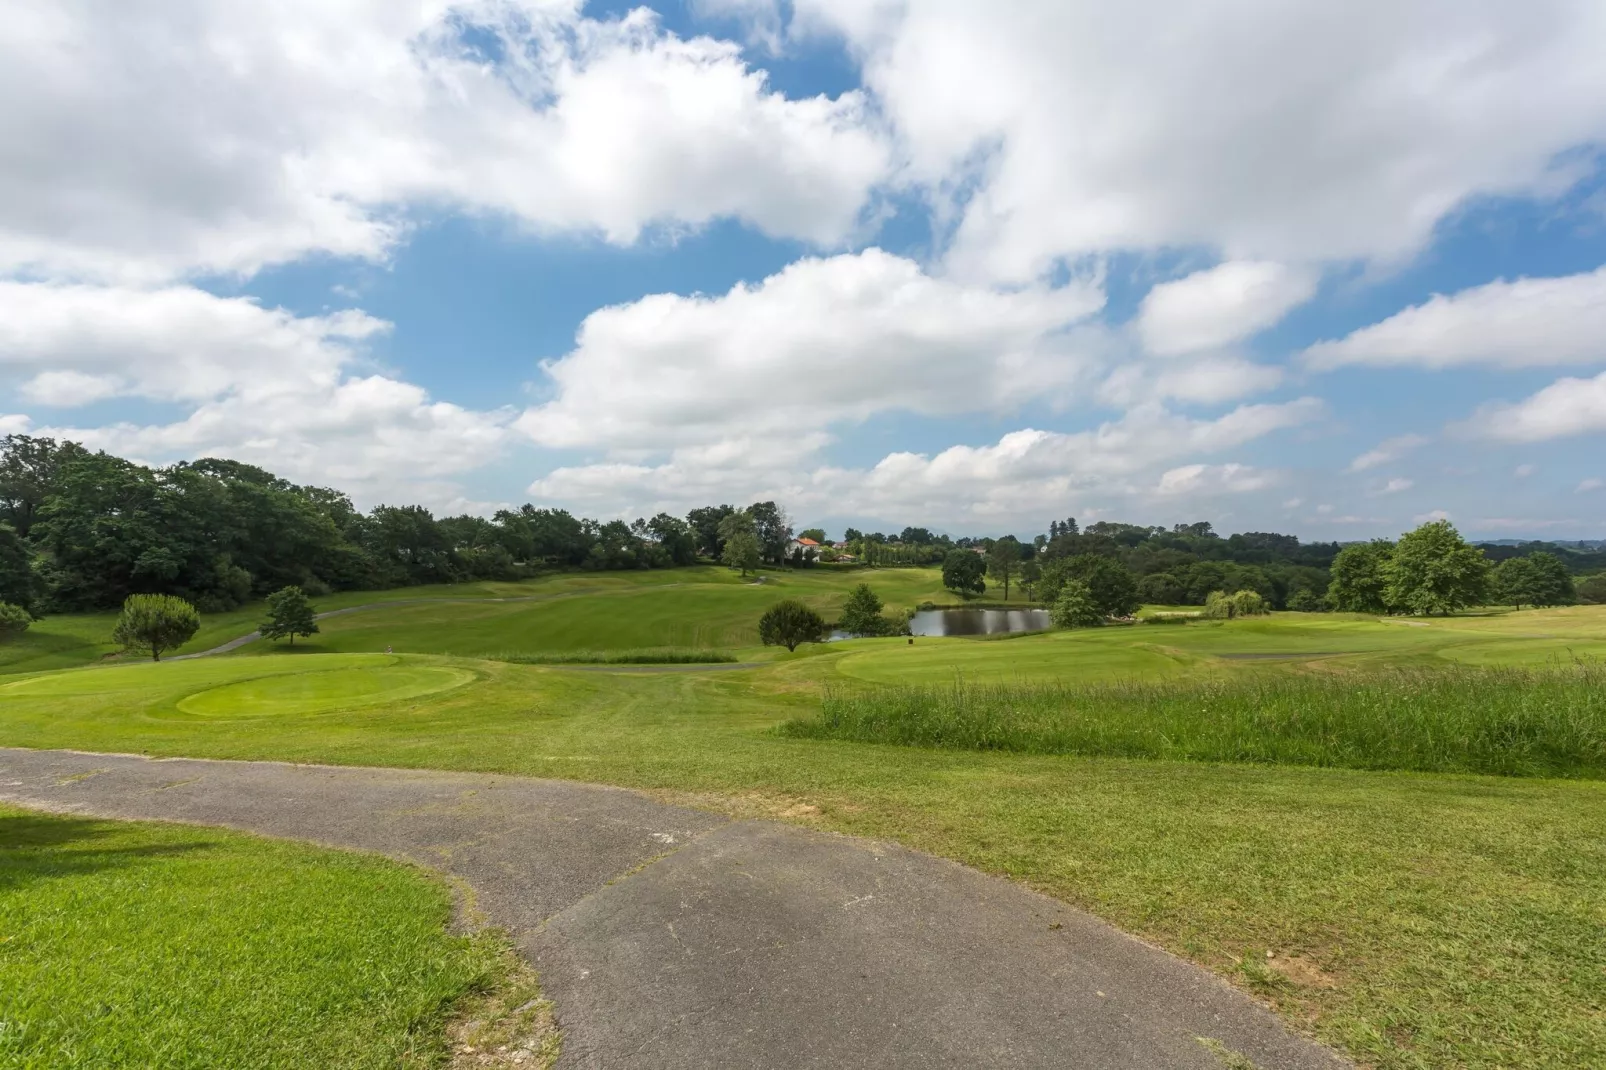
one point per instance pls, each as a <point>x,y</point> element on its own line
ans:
<point>807,547</point>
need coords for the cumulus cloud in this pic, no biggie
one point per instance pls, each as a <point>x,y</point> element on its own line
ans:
<point>1525,323</point>
<point>1196,479</point>
<point>1564,408</point>
<point>1296,132</point>
<point>825,340</point>
<point>144,140</point>
<point>1396,485</point>
<point>1587,485</point>
<point>254,383</point>
<point>1387,451</point>
<point>1213,308</point>
<point>1007,481</point>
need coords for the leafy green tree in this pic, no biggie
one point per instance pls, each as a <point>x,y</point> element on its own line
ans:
<point>1433,570</point>
<point>705,523</point>
<point>14,620</point>
<point>1115,589</point>
<point>675,537</point>
<point>1031,570</point>
<point>289,615</point>
<point>817,534</point>
<point>30,469</point>
<point>1224,606</point>
<point>155,622</point>
<point>1304,600</point>
<point>788,623</point>
<point>19,585</point>
<point>861,614</point>
<point>1075,606</point>
<point>963,573</point>
<point>1593,590</point>
<point>1003,561</point>
<point>773,528</point>
<point>1540,579</point>
<point>742,552</point>
<point>1360,578</point>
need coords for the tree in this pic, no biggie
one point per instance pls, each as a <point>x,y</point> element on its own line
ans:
<point>1030,572</point>
<point>962,573</point>
<point>155,622</point>
<point>1539,579</point>
<point>1304,600</point>
<point>1433,570</point>
<point>14,620</point>
<point>788,623</point>
<point>817,534</point>
<point>861,614</point>
<point>773,528</point>
<point>289,614</point>
<point>1003,561</point>
<point>675,537</point>
<point>1075,607</point>
<point>1223,606</point>
<point>29,471</point>
<point>18,583</point>
<point>705,522</point>
<point>742,552</point>
<point>1593,590</point>
<point>1115,589</point>
<point>1360,578</point>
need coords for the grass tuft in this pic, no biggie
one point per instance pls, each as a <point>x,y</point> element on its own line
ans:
<point>1500,721</point>
<point>640,656</point>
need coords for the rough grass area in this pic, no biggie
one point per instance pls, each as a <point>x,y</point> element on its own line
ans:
<point>143,945</point>
<point>1456,719</point>
<point>644,656</point>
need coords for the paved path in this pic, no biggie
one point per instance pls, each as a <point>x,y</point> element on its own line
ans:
<point>676,939</point>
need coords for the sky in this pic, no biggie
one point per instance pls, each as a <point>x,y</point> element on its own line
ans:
<point>1283,265</point>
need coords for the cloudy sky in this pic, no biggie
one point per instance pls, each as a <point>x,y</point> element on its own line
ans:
<point>1283,265</point>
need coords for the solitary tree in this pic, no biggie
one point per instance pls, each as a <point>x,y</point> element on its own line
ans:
<point>788,623</point>
<point>1003,561</point>
<point>14,620</point>
<point>1075,607</point>
<point>962,573</point>
<point>861,614</point>
<point>742,552</point>
<point>1433,570</point>
<point>155,622</point>
<point>289,614</point>
<point>1223,606</point>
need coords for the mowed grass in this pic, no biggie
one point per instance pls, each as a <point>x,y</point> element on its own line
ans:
<point>142,945</point>
<point>1416,920</point>
<point>1501,721</point>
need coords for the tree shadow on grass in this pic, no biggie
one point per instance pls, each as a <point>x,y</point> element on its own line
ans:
<point>36,847</point>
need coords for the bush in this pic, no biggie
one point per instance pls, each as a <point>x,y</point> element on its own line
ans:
<point>155,622</point>
<point>1593,590</point>
<point>14,620</point>
<point>861,615</point>
<point>289,614</point>
<point>1223,606</point>
<point>1075,607</point>
<point>788,623</point>
<point>1111,584</point>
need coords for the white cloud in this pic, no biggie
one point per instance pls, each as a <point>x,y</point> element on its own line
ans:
<point>1194,479</point>
<point>1587,485</point>
<point>1523,471</point>
<point>1526,323</point>
<point>1429,517</point>
<point>825,340</point>
<point>256,384</point>
<point>15,424</point>
<point>1396,485</point>
<point>1013,480</point>
<point>1213,308</point>
<point>1386,451</point>
<point>1565,407</point>
<point>1265,129</point>
<point>144,140</point>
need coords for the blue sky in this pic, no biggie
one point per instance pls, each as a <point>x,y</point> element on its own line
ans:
<point>967,266</point>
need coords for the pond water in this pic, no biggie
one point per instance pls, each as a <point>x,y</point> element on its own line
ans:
<point>978,621</point>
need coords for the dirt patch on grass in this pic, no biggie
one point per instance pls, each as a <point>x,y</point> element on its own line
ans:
<point>745,805</point>
<point>510,1025</point>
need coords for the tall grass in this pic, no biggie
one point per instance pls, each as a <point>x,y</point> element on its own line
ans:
<point>639,656</point>
<point>1502,721</point>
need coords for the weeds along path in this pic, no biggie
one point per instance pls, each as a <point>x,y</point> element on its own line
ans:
<point>673,938</point>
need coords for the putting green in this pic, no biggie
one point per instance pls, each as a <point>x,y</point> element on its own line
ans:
<point>328,691</point>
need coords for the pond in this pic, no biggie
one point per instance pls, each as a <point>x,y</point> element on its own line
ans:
<point>978,621</point>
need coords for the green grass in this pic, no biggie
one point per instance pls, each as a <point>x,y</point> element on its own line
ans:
<point>646,656</point>
<point>141,945</point>
<point>1500,721</point>
<point>1425,920</point>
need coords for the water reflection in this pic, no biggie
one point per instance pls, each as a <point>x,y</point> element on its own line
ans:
<point>978,621</point>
